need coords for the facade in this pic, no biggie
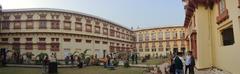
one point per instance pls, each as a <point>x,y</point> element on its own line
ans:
<point>213,33</point>
<point>160,41</point>
<point>62,31</point>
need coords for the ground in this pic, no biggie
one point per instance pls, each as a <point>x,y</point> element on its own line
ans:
<point>86,70</point>
<point>154,61</point>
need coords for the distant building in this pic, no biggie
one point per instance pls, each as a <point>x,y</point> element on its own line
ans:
<point>213,32</point>
<point>160,41</point>
<point>44,30</point>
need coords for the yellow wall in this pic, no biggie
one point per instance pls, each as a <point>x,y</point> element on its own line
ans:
<point>210,50</point>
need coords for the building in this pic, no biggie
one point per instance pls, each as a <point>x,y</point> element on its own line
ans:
<point>213,32</point>
<point>160,41</point>
<point>45,30</point>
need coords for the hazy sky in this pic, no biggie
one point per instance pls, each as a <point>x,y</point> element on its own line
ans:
<point>130,13</point>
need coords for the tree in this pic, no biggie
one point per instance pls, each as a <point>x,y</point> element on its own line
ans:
<point>41,57</point>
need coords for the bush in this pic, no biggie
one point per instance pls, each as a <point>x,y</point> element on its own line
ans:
<point>115,63</point>
<point>126,64</point>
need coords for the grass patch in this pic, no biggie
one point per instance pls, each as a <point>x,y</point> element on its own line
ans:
<point>86,70</point>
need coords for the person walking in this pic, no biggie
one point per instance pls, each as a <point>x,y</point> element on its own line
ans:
<point>178,64</point>
<point>190,63</point>
<point>45,64</point>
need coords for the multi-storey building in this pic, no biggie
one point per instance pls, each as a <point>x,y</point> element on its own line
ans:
<point>160,41</point>
<point>47,30</point>
<point>213,30</point>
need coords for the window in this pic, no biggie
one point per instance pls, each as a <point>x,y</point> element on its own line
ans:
<point>42,16</point>
<point>146,50</point>
<point>146,45</point>
<point>153,45</point>
<point>146,36</point>
<point>140,37</point>
<point>160,49</point>
<point>112,32</point>
<point>227,36</point>
<point>55,17</point>
<point>67,25</point>
<point>17,17</point>
<point>154,50</point>
<point>66,39</point>
<point>160,45</point>
<point>4,39</point>
<point>17,25</point>
<point>167,35</point>
<point>88,41</point>
<point>140,45</point>
<point>78,19</point>
<point>29,17</point>
<point>43,25</point>
<point>223,12</point>
<point>6,17</point>
<point>175,44</point>
<point>105,31</point>
<point>67,18</point>
<point>222,6</point>
<point>78,26</point>
<point>182,34</point>
<point>118,34</point>
<point>55,39</point>
<point>104,42</point>
<point>55,46</point>
<point>97,42</point>
<point>88,21</point>
<point>29,25</point>
<point>78,40</point>
<point>29,39</point>
<point>55,25</point>
<point>42,46</point>
<point>168,44</point>
<point>140,50</point>
<point>88,28</point>
<point>42,39</point>
<point>29,46</point>
<point>238,3</point>
<point>153,36</point>
<point>5,25</point>
<point>97,29</point>
<point>16,39</point>
<point>174,35</point>
<point>160,35</point>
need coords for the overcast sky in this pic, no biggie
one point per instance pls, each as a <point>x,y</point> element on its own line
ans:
<point>130,13</point>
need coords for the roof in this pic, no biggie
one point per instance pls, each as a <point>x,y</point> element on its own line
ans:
<point>160,27</point>
<point>63,10</point>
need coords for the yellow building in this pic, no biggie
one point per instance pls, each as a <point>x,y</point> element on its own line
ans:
<point>45,30</point>
<point>213,32</point>
<point>160,41</point>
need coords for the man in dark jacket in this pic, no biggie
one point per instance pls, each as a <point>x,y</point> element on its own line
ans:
<point>178,64</point>
<point>192,64</point>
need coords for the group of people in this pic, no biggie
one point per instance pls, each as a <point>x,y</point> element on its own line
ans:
<point>179,62</point>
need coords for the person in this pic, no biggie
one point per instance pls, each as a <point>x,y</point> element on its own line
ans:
<point>178,63</point>
<point>133,58</point>
<point>136,58</point>
<point>72,60</point>
<point>190,63</point>
<point>66,60</point>
<point>80,63</point>
<point>45,64</point>
<point>172,66</point>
